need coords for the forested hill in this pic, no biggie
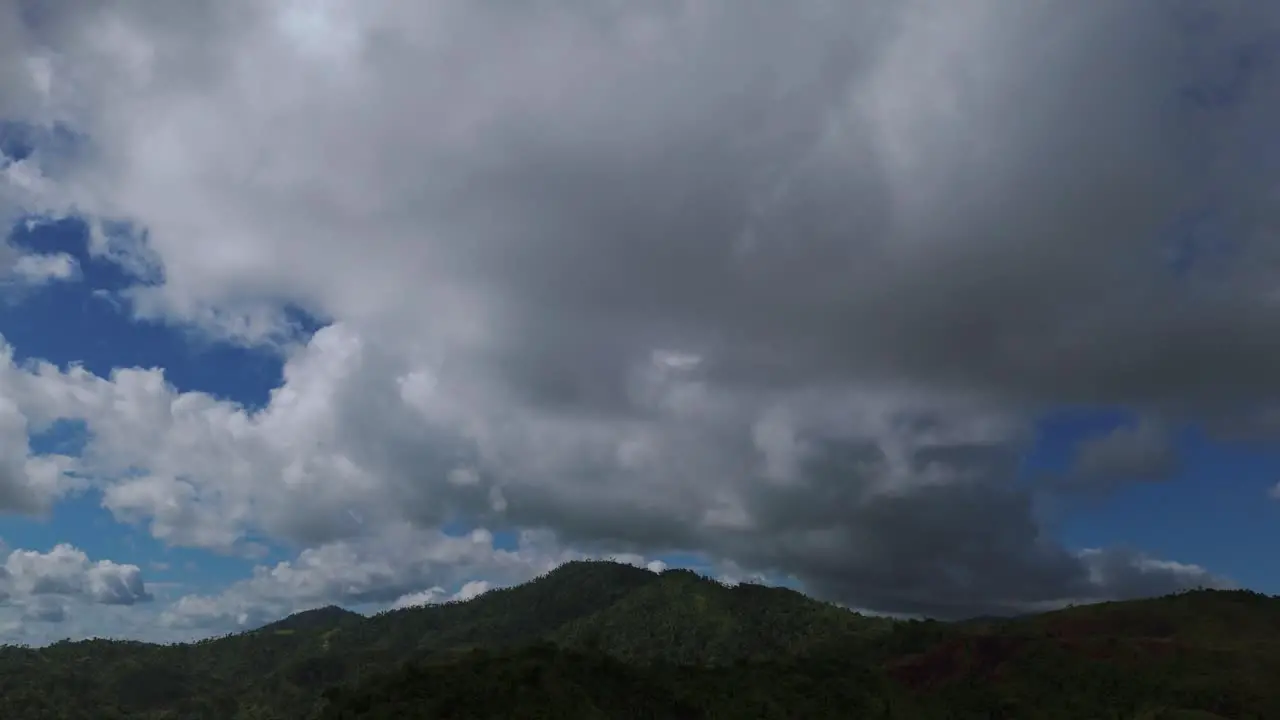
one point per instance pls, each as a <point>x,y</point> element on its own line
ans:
<point>606,640</point>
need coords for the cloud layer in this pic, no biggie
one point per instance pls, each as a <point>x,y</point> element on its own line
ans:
<point>781,284</point>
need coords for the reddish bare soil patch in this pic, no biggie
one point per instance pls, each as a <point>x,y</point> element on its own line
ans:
<point>981,656</point>
<point>990,657</point>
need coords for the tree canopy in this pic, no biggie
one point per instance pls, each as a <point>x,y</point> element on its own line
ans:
<point>607,640</point>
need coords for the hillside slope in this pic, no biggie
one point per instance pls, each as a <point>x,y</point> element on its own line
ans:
<point>599,639</point>
<point>686,619</point>
<point>548,681</point>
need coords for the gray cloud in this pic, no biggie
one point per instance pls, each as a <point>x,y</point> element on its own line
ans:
<point>45,608</point>
<point>1142,452</point>
<point>784,284</point>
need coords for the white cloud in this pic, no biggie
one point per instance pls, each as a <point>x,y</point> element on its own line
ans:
<point>437,595</point>
<point>39,582</point>
<point>874,257</point>
<point>28,483</point>
<point>41,269</point>
<point>430,596</point>
<point>386,568</point>
<point>640,561</point>
<point>472,589</point>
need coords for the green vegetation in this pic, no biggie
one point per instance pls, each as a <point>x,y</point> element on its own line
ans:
<point>605,640</point>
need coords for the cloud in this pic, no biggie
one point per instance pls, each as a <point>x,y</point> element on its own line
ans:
<point>639,561</point>
<point>28,483</point>
<point>783,285</point>
<point>39,622</point>
<point>1135,574</point>
<point>22,271</point>
<point>1140,452</point>
<point>42,583</point>
<point>388,568</point>
<point>397,566</point>
<point>44,608</point>
<point>41,269</point>
<point>437,594</point>
<point>910,485</point>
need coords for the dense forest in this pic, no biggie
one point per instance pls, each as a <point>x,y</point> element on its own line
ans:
<point>606,640</point>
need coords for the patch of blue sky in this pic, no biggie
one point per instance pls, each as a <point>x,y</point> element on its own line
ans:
<point>503,538</point>
<point>1213,510</point>
<point>87,323</point>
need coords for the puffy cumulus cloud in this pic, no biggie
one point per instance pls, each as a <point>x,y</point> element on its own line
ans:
<point>43,584</point>
<point>390,567</point>
<point>778,283</point>
<point>29,482</point>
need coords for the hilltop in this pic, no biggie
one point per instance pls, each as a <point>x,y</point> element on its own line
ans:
<point>607,640</point>
<point>320,619</point>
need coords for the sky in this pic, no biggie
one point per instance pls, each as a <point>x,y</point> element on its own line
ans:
<point>921,307</point>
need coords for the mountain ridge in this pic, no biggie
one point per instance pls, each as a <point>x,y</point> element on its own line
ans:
<point>604,639</point>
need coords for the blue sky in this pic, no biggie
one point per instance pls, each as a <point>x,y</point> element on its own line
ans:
<point>84,323</point>
<point>1213,511</point>
<point>924,307</point>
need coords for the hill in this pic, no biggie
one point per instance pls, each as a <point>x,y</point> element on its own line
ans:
<point>322,619</point>
<point>683,618</point>
<point>606,640</point>
<point>550,681</point>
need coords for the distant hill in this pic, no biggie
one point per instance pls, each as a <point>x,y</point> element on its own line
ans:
<point>682,617</point>
<point>607,640</point>
<point>322,619</point>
